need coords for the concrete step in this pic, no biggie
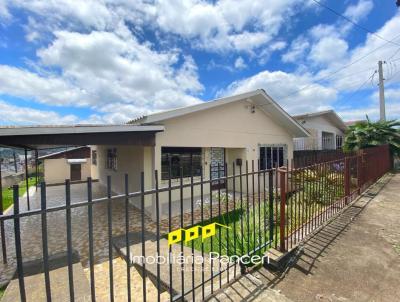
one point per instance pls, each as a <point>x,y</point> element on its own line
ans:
<point>35,284</point>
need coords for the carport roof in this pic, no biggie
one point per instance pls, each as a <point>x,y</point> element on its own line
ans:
<point>35,137</point>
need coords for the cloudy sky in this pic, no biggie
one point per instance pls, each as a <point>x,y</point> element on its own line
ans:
<point>108,61</point>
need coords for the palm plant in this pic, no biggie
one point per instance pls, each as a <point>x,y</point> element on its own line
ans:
<point>368,134</point>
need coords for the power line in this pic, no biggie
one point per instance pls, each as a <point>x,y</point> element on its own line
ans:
<point>353,22</point>
<point>338,70</point>
<point>360,87</point>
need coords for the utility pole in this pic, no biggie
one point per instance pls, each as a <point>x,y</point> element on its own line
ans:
<point>381,93</point>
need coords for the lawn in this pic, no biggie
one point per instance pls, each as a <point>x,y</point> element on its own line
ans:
<point>245,229</point>
<point>8,193</point>
<point>248,226</point>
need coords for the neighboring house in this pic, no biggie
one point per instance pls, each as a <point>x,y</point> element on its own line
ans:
<point>327,131</point>
<point>201,138</point>
<point>73,163</point>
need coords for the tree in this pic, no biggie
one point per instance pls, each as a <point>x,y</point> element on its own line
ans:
<point>368,134</point>
<point>398,3</point>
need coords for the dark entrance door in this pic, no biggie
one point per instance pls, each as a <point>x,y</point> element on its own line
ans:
<point>75,172</point>
<point>217,167</point>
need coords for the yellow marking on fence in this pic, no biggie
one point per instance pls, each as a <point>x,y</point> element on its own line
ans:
<point>194,233</point>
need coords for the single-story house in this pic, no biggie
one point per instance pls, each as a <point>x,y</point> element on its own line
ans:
<point>197,139</point>
<point>72,163</point>
<point>201,138</point>
<point>327,131</point>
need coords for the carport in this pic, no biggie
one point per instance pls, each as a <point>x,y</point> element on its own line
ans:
<point>35,138</point>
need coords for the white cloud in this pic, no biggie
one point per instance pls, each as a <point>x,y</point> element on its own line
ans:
<point>297,50</point>
<point>359,11</point>
<point>279,85</point>
<point>102,68</point>
<point>44,89</point>
<point>4,13</point>
<point>11,114</point>
<point>215,26</point>
<point>328,49</point>
<point>239,63</point>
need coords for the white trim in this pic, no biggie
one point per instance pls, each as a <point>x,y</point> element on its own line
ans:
<point>76,161</point>
<point>77,129</point>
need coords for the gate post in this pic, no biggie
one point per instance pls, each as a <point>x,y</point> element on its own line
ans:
<point>282,183</point>
<point>347,179</point>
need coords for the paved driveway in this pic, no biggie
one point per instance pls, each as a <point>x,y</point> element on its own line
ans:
<point>56,221</point>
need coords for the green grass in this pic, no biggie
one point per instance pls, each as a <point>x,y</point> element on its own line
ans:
<point>314,192</point>
<point>243,234</point>
<point>2,290</point>
<point>8,193</point>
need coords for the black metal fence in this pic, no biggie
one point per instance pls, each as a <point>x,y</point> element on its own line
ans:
<point>116,237</point>
<point>240,213</point>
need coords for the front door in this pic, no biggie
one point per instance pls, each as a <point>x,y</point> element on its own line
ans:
<point>75,172</point>
<point>217,167</point>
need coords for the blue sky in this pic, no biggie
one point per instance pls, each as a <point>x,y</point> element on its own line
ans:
<point>109,61</point>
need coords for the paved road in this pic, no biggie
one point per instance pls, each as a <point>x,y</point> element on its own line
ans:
<point>354,258</point>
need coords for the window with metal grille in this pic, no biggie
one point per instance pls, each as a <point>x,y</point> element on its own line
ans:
<point>339,142</point>
<point>175,159</point>
<point>94,157</point>
<point>272,157</point>
<point>111,162</point>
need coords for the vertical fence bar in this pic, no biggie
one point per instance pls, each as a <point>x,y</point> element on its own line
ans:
<point>282,179</point>
<point>90,227</point>
<point>276,205</point>
<point>158,235</point>
<point>18,249</point>
<point>2,231</point>
<point>143,227</point>
<point>253,201</point>
<point>69,239</point>
<point>228,215</point>
<point>110,247</point>
<point>202,222</point>
<point>170,226</point>
<point>44,240</point>
<point>127,244</point>
<point>248,207</point>
<point>36,169</point>
<point>234,211</point>
<point>347,179</point>
<point>211,238</point>
<point>359,172</point>
<point>27,179</point>
<point>271,204</point>
<point>192,222</point>
<point>287,204</point>
<point>259,202</point>
<point>219,229</point>
<point>241,211</point>
<point>182,253</point>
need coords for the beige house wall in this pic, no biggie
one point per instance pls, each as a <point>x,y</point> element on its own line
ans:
<point>131,160</point>
<point>232,126</point>
<point>58,170</point>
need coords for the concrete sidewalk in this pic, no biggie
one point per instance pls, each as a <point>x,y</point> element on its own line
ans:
<point>356,257</point>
